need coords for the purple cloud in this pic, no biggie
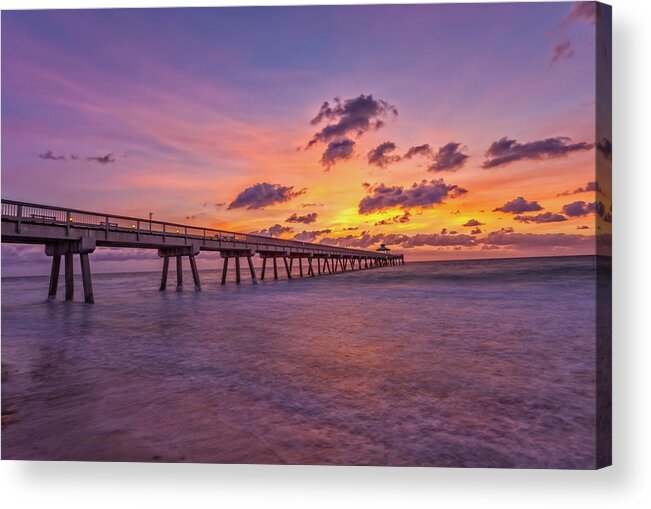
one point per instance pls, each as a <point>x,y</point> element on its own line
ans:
<point>107,159</point>
<point>562,50</point>
<point>311,236</point>
<point>353,116</point>
<point>274,231</point>
<point>472,222</point>
<point>419,150</point>
<point>590,187</point>
<point>381,156</point>
<point>404,218</point>
<point>264,194</point>
<point>424,194</point>
<point>580,209</point>
<point>605,147</point>
<point>518,206</point>
<point>583,11</point>
<point>448,158</point>
<point>506,151</point>
<point>341,150</point>
<point>306,219</point>
<point>545,217</point>
<point>529,240</point>
<point>49,156</point>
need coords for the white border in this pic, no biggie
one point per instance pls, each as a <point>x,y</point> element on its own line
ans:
<point>627,484</point>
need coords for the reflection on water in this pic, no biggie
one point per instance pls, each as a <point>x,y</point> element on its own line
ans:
<point>482,363</point>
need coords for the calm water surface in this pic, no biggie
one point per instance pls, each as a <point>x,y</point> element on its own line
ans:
<point>476,363</point>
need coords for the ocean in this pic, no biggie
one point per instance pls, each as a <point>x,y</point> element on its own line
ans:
<point>485,363</point>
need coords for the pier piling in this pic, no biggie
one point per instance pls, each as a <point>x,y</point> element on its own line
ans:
<point>54,276</point>
<point>166,266</point>
<point>70,281</point>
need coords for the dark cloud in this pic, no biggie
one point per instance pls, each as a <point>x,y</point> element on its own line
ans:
<point>583,11</point>
<point>545,217</point>
<point>404,218</point>
<point>362,241</point>
<point>107,159</point>
<point>340,150</point>
<point>579,208</point>
<point>366,240</point>
<point>583,227</point>
<point>311,236</point>
<point>562,51</point>
<point>381,156</point>
<point>48,155</point>
<point>434,239</point>
<point>448,158</point>
<point>605,147</point>
<point>263,194</point>
<point>274,231</point>
<point>419,150</point>
<point>518,206</point>
<point>590,187</point>
<point>530,240</point>
<point>475,231</point>
<point>306,205</point>
<point>472,222</point>
<point>506,151</point>
<point>424,194</point>
<point>306,219</point>
<point>351,228</point>
<point>351,117</point>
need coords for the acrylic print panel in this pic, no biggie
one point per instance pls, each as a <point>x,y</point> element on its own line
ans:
<point>343,235</point>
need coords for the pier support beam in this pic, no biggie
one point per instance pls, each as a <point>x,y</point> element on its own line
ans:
<point>252,270</point>
<point>163,279</point>
<point>224,270</point>
<point>179,273</point>
<point>264,266</point>
<point>54,276</point>
<point>70,278</point>
<point>289,271</point>
<point>195,273</point>
<point>86,278</point>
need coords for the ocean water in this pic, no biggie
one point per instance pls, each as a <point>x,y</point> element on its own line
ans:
<point>472,363</point>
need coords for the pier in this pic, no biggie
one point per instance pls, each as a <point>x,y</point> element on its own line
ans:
<point>68,232</point>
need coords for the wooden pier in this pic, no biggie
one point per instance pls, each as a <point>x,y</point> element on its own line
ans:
<point>67,232</point>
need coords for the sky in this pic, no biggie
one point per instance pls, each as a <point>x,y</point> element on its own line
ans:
<point>444,131</point>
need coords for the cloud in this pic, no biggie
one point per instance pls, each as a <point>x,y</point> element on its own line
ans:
<point>274,231</point>
<point>435,239</point>
<point>562,50</point>
<point>518,206</point>
<point>311,236</point>
<point>580,209</point>
<point>306,219</point>
<point>590,187</point>
<point>419,150</point>
<point>506,151</point>
<point>341,150</point>
<point>605,147</point>
<point>530,240</point>
<point>49,156</point>
<point>362,241</point>
<point>107,159</point>
<point>350,117</point>
<point>264,194</point>
<point>380,155</point>
<point>475,231</point>
<point>424,194</point>
<point>366,240</point>
<point>472,222</point>
<point>583,227</point>
<point>404,218</point>
<point>448,158</point>
<point>545,217</point>
<point>585,12</point>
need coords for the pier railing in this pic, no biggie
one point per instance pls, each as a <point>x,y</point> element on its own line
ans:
<point>24,212</point>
